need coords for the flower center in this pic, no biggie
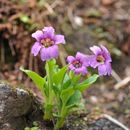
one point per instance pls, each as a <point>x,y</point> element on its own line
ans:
<point>77,64</point>
<point>100,59</point>
<point>47,42</point>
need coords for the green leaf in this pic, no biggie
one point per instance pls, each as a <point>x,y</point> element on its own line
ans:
<point>56,115</point>
<point>38,80</point>
<point>34,128</point>
<point>71,74</point>
<point>26,128</point>
<point>75,98</point>
<point>66,84</point>
<point>70,80</point>
<point>75,79</point>
<point>24,18</point>
<point>66,94</point>
<point>56,89</point>
<point>46,90</point>
<point>59,76</point>
<point>85,84</point>
<point>74,102</point>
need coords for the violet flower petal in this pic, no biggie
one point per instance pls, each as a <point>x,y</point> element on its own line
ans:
<point>38,35</point>
<point>48,29</point>
<point>70,59</point>
<point>54,52</point>
<point>36,48</point>
<point>106,53</point>
<point>71,67</point>
<point>83,58</point>
<point>82,70</point>
<point>105,69</point>
<point>96,50</point>
<point>92,61</point>
<point>102,70</point>
<point>59,39</point>
<point>49,32</point>
<point>49,53</point>
<point>108,68</point>
<point>44,54</point>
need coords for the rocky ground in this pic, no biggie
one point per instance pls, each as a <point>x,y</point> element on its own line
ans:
<point>19,109</point>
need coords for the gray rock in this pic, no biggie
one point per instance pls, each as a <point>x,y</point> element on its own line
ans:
<point>15,104</point>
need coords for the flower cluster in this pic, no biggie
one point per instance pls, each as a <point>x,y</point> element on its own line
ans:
<point>101,59</point>
<point>62,89</point>
<point>46,43</point>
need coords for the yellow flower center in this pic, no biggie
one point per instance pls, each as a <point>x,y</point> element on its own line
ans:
<point>77,64</point>
<point>47,42</point>
<point>100,59</point>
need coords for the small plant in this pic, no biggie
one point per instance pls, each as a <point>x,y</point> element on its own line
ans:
<point>32,128</point>
<point>62,87</point>
<point>35,127</point>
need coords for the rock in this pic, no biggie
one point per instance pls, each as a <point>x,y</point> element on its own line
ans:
<point>104,124</point>
<point>15,104</point>
<point>87,122</point>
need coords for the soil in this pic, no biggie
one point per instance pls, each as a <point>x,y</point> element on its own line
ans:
<point>83,122</point>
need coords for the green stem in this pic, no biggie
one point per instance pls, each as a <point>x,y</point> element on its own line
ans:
<point>49,99</point>
<point>59,123</point>
<point>48,76</point>
<point>48,112</point>
<point>61,119</point>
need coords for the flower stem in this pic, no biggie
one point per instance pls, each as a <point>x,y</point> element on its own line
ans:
<point>59,123</point>
<point>48,112</point>
<point>49,100</point>
<point>61,119</point>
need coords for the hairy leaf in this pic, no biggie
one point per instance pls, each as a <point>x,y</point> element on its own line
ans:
<point>38,80</point>
<point>85,84</point>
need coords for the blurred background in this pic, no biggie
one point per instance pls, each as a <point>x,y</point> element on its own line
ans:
<point>84,23</point>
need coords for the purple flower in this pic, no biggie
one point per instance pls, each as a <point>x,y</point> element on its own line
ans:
<point>78,63</point>
<point>101,59</point>
<point>47,43</point>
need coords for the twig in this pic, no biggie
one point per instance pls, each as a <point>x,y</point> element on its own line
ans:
<point>2,53</point>
<point>115,121</point>
<point>5,25</point>
<point>122,83</point>
<point>30,62</point>
<point>49,8</point>
<point>20,76</point>
<point>71,17</point>
<point>116,76</point>
<point>36,65</point>
<point>55,3</point>
<point>63,55</point>
<point>12,48</point>
<point>15,16</point>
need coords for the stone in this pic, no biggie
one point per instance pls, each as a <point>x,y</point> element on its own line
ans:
<point>15,104</point>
